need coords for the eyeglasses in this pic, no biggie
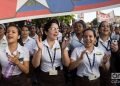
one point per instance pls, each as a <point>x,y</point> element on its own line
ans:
<point>53,28</point>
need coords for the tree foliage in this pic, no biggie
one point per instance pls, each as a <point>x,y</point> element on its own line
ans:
<point>65,19</point>
<point>95,22</point>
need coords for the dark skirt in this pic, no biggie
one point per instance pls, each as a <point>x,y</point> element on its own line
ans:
<point>17,80</point>
<point>51,80</point>
<point>84,81</point>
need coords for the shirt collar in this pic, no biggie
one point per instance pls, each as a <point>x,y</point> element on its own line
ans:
<point>28,38</point>
<point>104,41</point>
<point>56,44</point>
<point>75,37</point>
<point>35,36</point>
<point>4,38</point>
<point>19,49</point>
<point>92,51</point>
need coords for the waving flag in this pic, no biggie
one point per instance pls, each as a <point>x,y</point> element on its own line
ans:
<point>15,10</point>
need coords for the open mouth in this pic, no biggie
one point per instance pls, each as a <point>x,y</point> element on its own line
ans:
<point>55,35</point>
<point>88,42</point>
<point>9,37</point>
<point>106,30</point>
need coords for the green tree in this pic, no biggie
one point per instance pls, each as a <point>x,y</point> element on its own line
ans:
<point>95,22</point>
<point>65,19</point>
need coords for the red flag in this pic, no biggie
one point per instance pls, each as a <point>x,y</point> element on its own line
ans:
<point>7,8</point>
<point>15,10</point>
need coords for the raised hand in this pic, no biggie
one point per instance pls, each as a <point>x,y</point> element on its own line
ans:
<point>81,56</point>
<point>65,42</point>
<point>39,43</point>
<point>106,59</point>
<point>114,46</point>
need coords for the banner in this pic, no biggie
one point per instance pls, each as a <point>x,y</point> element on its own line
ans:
<point>110,17</point>
<point>15,10</point>
<point>80,16</point>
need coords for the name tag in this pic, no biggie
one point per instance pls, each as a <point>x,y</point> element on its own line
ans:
<point>98,53</point>
<point>53,71</point>
<point>92,77</point>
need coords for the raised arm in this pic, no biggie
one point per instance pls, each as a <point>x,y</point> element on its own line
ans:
<point>38,53</point>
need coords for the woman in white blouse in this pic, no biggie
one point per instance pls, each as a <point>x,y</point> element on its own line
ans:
<point>87,60</point>
<point>16,55</point>
<point>50,57</point>
<point>104,43</point>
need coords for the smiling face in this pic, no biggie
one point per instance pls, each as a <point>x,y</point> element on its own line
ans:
<point>12,34</point>
<point>89,38</point>
<point>104,29</point>
<point>78,28</point>
<point>53,31</point>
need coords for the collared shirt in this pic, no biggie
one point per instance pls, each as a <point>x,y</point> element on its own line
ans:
<point>30,44</point>
<point>35,37</point>
<point>3,43</point>
<point>104,45</point>
<point>23,55</point>
<point>46,64</point>
<point>84,68</point>
<point>75,42</point>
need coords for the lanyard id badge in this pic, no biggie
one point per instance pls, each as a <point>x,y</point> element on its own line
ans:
<point>52,71</point>
<point>91,64</point>
<point>92,77</point>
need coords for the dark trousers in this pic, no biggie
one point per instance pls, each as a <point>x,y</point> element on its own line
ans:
<point>84,81</point>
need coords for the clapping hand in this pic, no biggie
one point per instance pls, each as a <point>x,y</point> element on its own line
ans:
<point>81,56</point>
<point>14,58</point>
<point>106,58</point>
<point>39,43</point>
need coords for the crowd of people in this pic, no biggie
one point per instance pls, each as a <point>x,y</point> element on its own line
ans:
<point>57,55</point>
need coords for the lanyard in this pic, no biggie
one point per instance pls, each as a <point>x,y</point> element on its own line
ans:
<point>52,60</point>
<point>81,43</point>
<point>91,64</point>
<point>105,46</point>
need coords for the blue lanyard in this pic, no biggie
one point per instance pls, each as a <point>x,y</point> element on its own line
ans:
<point>52,61</point>
<point>108,44</point>
<point>91,64</point>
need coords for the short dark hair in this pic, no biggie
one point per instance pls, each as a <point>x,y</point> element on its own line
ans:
<point>47,26</point>
<point>90,30</point>
<point>26,27</point>
<point>81,22</point>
